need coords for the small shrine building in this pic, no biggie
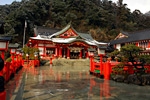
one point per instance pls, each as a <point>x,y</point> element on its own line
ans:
<point>138,38</point>
<point>66,43</point>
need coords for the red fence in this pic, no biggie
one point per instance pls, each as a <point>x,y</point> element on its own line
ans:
<point>106,68</point>
<point>10,69</point>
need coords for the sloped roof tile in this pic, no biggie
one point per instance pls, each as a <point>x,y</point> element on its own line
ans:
<point>133,37</point>
<point>40,30</point>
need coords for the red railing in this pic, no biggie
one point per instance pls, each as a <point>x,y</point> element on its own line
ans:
<point>106,68</point>
<point>10,68</point>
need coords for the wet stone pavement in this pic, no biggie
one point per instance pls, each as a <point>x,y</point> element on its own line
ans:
<point>44,83</point>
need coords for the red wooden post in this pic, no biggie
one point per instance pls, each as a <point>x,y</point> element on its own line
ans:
<point>80,54</point>
<point>60,52</point>
<point>107,72</point>
<point>91,63</point>
<point>56,51</point>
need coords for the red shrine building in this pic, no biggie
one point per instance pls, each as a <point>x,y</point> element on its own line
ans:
<point>64,43</point>
<point>139,38</point>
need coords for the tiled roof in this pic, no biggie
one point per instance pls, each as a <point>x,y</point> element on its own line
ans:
<point>40,30</point>
<point>49,34</point>
<point>133,37</point>
<point>85,36</point>
<point>61,31</point>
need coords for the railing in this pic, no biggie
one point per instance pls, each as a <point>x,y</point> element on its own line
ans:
<point>105,69</point>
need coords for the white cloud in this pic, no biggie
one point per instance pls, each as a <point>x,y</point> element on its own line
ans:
<point>142,5</point>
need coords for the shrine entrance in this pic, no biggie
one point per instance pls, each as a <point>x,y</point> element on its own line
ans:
<point>64,52</point>
<point>75,52</point>
<point>74,55</point>
<point>50,51</point>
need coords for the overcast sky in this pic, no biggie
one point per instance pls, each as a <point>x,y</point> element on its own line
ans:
<point>142,5</point>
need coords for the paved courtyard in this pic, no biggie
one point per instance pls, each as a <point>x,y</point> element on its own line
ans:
<point>45,83</point>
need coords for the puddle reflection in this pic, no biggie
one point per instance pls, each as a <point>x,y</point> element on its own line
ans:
<point>45,83</point>
<point>42,82</point>
<point>75,83</point>
<point>104,88</point>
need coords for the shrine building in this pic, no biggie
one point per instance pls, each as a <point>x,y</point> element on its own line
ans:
<point>139,38</point>
<point>64,43</point>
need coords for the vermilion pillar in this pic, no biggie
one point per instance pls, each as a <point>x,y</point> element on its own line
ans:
<point>107,71</point>
<point>60,52</point>
<point>57,52</point>
<point>56,49</point>
<point>80,54</point>
<point>44,53</point>
<point>91,63</point>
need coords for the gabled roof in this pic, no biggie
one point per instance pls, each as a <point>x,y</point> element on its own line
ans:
<point>122,35</point>
<point>40,30</point>
<point>51,36</point>
<point>61,31</point>
<point>82,35</point>
<point>133,37</point>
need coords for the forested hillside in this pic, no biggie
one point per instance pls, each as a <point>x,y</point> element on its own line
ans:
<point>102,18</point>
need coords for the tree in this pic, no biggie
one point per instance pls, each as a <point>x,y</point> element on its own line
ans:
<point>131,53</point>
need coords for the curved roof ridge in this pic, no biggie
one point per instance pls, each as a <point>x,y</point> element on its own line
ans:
<point>61,31</point>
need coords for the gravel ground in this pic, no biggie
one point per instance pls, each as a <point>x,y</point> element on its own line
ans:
<point>71,65</point>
